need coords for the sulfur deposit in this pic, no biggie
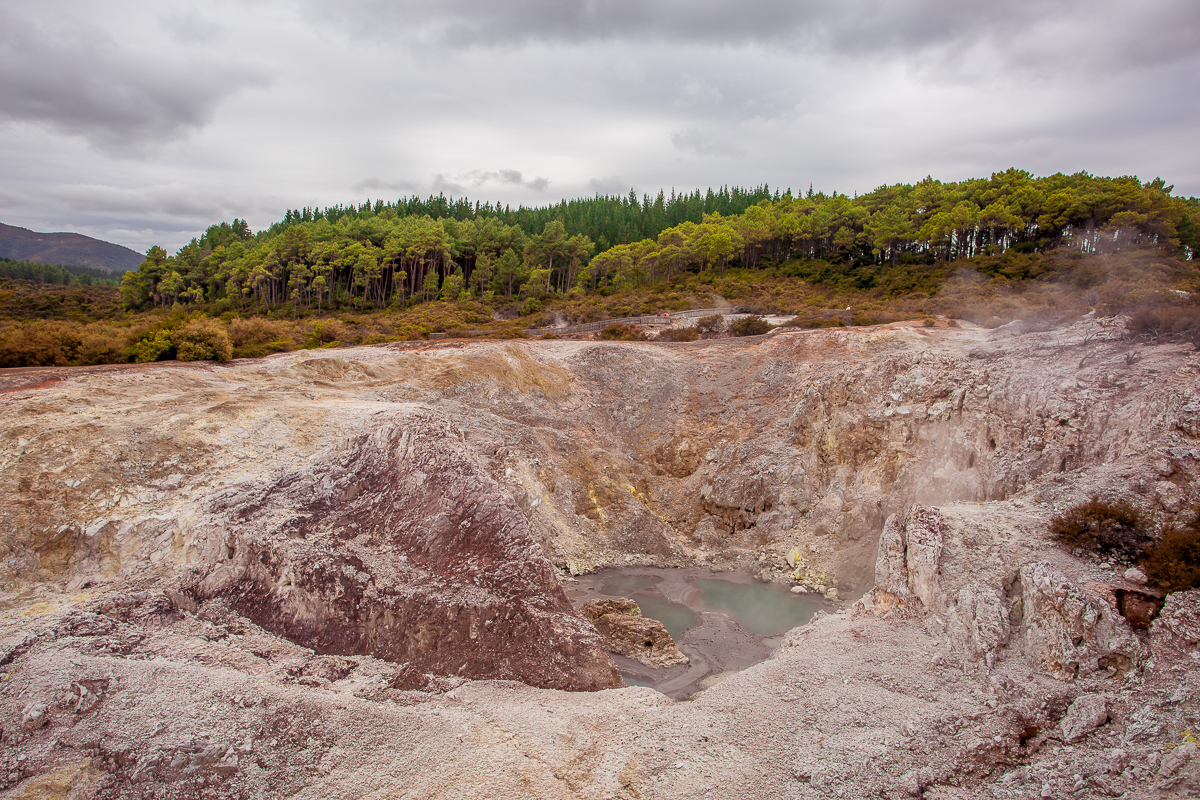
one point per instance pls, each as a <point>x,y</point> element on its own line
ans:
<point>340,574</point>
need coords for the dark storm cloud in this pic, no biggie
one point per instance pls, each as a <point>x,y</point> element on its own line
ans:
<point>1152,31</point>
<point>80,80</point>
<point>526,101</point>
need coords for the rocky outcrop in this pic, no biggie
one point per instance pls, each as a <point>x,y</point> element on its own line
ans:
<point>1069,632</point>
<point>907,567</point>
<point>626,632</point>
<point>1063,629</point>
<point>396,545</point>
<point>1175,633</point>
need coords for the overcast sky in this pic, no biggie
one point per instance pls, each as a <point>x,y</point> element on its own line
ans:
<point>144,122</point>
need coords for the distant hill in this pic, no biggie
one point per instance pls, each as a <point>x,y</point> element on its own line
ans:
<point>73,249</point>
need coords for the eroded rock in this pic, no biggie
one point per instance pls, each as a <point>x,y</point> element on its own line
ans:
<point>907,567</point>
<point>396,545</point>
<point>1087,713</point>
<point>1069,632</point>
<point>627,632</point>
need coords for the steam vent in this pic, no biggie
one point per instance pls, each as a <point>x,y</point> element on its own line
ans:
<point>357,573</point>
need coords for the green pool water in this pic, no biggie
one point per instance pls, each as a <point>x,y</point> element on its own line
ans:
<point>675,617</point>
<point>767,609</point>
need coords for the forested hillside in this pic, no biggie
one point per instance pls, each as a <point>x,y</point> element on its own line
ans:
<point>392,255</point>
<point>991,250</point>
<point>74,249</point>
<point>62,275</point>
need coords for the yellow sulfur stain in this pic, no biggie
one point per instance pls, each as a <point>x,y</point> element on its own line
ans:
<point>37,608</point>
<point>57,785</point>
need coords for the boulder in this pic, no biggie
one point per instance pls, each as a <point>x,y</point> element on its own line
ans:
<point>1135,575</point>
<point>34,716</point>
<point>626,632</point>
<point>1087,713</point>
<point>1176,760</point>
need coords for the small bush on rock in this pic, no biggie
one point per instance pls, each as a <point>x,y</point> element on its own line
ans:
<point>711,326</point>
<point>625,333</point>
<point>678,335</point>
<point>1107,529</point>
<point>750,326</point>
<point>1173,564</point>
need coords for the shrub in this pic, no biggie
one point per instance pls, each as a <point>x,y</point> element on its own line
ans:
<point>622,332</point>
<point>686,334</point>
<point>257,337</point>
<point>710,326</point>
<point>100,345</point>
<point>750,326</point>
<point>1164,321</point>
<point>1173,564</point>
<point>202,340</point>
<point>328,331</point>
<point>150,346</point>
<point>38,344</point>
<point>1097,526</point>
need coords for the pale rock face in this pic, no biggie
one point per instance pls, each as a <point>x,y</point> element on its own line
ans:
<point>979,624</point>
<point>1087,713</point>
<point>1175,633</point>
<point>907,568</point>
<point>1068,632</point>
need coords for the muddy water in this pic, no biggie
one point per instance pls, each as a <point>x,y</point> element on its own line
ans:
<point>722,621</point>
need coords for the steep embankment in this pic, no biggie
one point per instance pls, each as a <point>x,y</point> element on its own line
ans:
<point>200,563</point>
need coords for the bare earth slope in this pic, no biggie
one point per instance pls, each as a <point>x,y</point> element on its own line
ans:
<point>337,574</point>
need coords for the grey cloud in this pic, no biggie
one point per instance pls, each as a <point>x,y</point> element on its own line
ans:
<point>869,23</point>
<point>79,80</point>
<point>611,185</point>
<point>705,144</point>
<point>1114,33</point>
<point>512,176</point>
<point>379,185</point>
<point>443,184</point>
<point>164,200</point>
<point>477,178</point>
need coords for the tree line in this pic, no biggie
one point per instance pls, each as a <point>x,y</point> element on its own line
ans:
<point>605,219</point>
<point>411,251</point>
